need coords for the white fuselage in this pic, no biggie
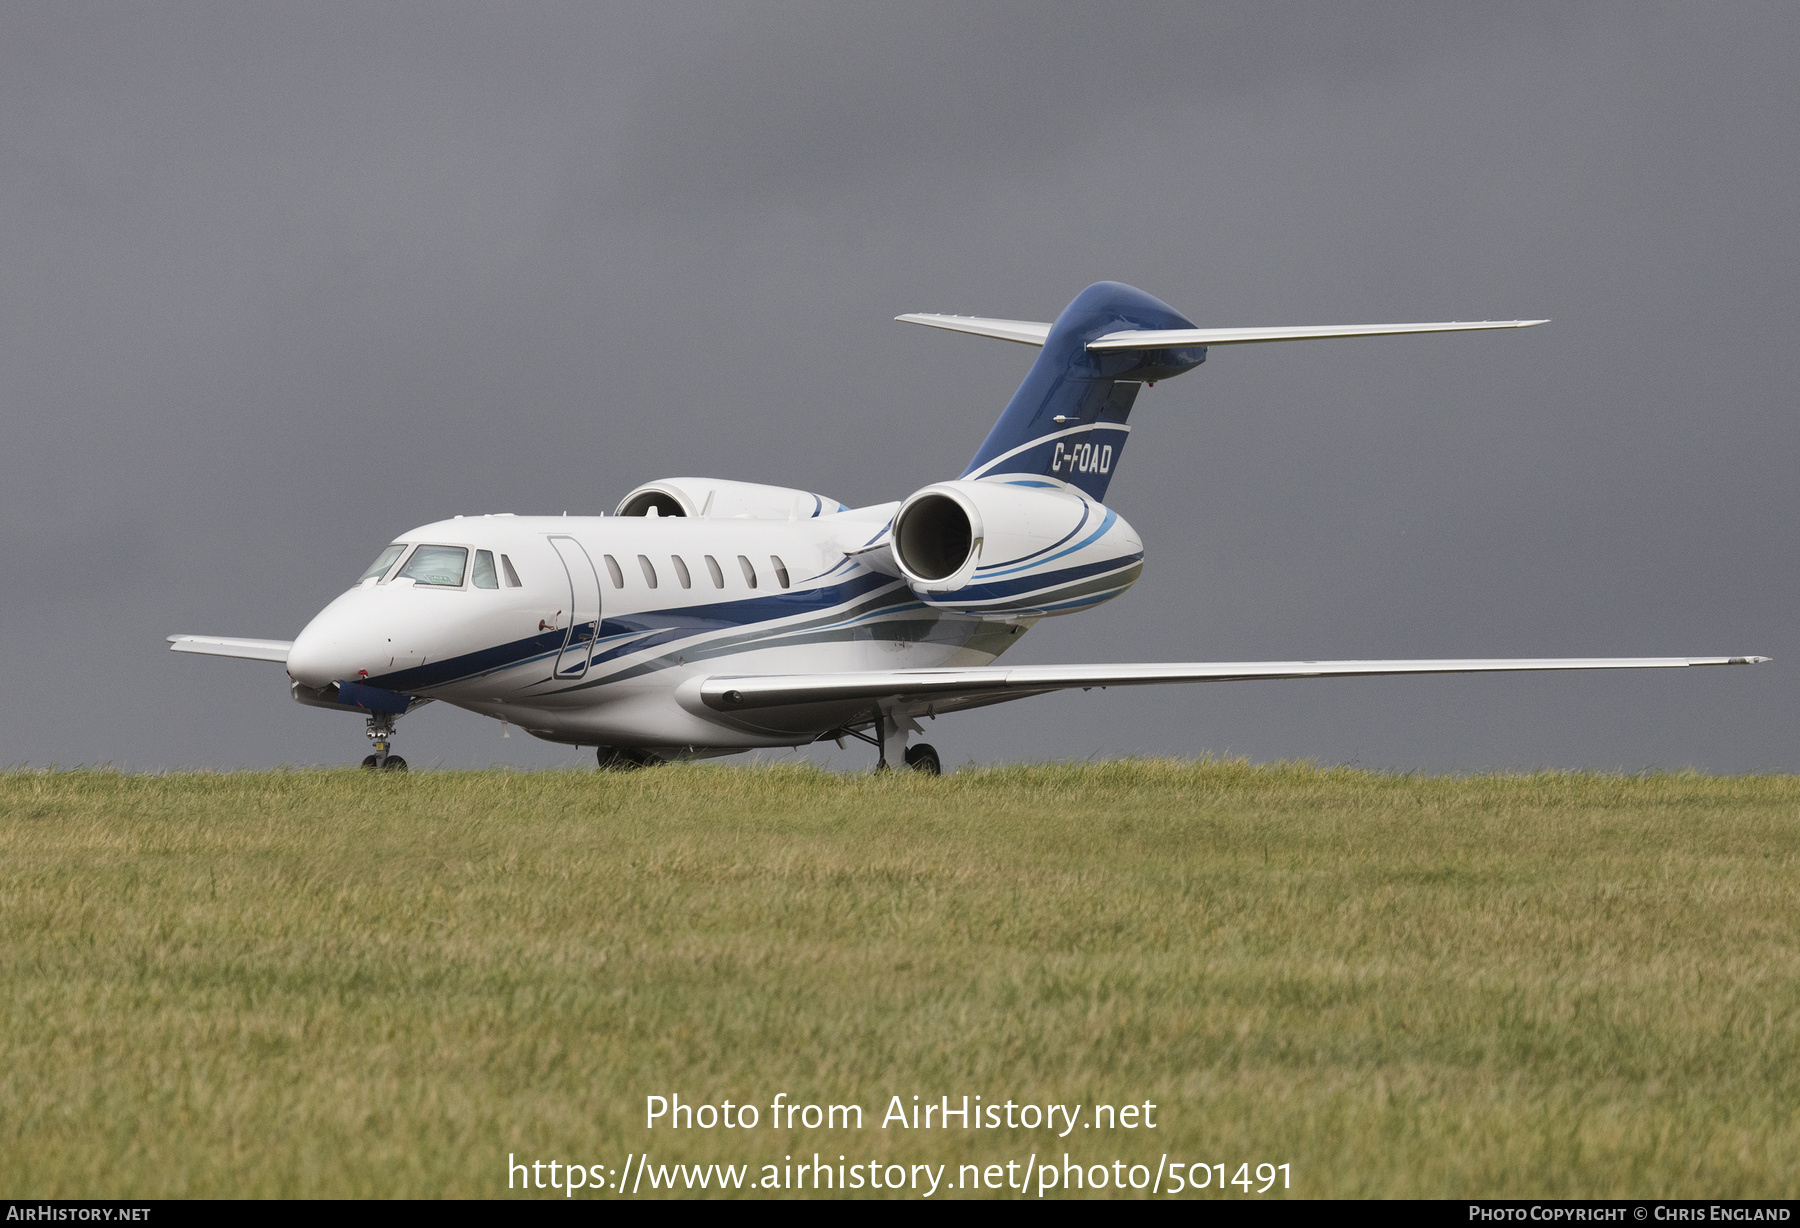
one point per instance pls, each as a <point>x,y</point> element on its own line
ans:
<point>592,648</point>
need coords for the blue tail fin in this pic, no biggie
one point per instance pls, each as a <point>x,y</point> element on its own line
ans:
<point>1067,421</point>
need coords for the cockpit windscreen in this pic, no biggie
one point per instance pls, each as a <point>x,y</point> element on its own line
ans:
<point>379,566</point>
<point>442,565</point>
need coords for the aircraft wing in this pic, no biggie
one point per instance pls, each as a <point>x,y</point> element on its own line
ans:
<point>767,699</point>
<point>225,646</point>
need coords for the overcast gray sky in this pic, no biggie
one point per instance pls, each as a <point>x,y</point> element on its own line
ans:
<point>278,282</point>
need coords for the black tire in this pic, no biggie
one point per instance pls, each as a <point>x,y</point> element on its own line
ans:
<point>394,764</point>
<point>622,759</point>
<point>924,758</point>
<point>369,762</point>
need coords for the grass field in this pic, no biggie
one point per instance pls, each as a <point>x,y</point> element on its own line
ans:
<point>337,983</point>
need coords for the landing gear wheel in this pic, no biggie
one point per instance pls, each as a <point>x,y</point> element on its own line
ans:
<point>620,759</point>
<point>381,729</point>
<point>924,758</point>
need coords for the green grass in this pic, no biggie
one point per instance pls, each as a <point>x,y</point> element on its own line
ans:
<point>337,983</point>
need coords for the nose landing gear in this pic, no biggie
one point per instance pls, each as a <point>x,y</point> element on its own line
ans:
<point>381,728</point>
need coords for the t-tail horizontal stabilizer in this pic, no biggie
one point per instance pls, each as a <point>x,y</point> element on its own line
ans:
<point>1109,342</point>
<point>1026,332</point>
<point>1032,332</point>
<point>1179,338</point>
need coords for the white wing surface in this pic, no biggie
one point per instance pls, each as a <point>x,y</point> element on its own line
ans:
<point>946,690</point>
<point>225,646</point>
<point>1025,332</point>
<point>1185,338</point>
<point>1032,332</point>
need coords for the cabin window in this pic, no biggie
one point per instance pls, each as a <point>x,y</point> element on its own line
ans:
<point>485,576</point>
<point>718,576</point>
<point>681,571</point>
<point>512,577</point>
<point>438,565</point>
<point>649,571</point>
<point>749,571</point>
<point>781,574</point>
<point>612,569</point>
<point>379,566</point>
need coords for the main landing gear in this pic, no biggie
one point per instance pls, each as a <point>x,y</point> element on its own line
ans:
<point>624,759</point>
<point>381,728</point>
<point>924,758</point>
<point>920,758</point>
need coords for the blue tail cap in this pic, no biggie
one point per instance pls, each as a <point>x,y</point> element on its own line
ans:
<point>1091,393</point>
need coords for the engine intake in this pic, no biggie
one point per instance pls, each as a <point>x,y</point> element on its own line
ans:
<point>934,535</point>
<point>651,502</point>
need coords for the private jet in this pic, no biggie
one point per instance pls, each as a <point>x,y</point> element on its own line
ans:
<point>707,617</point>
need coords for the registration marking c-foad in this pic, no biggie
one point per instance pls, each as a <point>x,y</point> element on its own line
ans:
<point>707,617</point>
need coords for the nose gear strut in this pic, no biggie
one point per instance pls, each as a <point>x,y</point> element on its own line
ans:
<point>381,728</point>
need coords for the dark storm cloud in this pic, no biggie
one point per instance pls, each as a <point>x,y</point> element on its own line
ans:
<point>277,283</point>
<point>789,99</point>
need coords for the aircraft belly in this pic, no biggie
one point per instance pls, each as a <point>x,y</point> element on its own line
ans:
<point>635,704</point>
<point>628,696</point>
<point>649,718</point>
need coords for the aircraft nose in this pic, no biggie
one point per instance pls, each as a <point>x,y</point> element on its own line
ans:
<point>330,648</point>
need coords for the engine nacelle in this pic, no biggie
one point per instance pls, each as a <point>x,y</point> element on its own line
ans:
<point>714,499</point>
<point>1001,550</point>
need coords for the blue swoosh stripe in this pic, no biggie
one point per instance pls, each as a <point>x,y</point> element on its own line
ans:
<point>1096,535</point>
<point>1031,584</point>
<point>648,629</point>
<point>1087,510</point>
<point>665,635</point>
<point>1082,601</point>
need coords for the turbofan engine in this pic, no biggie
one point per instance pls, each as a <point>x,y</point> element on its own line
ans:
<point>1007,551</point>
<point>713,499</point>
